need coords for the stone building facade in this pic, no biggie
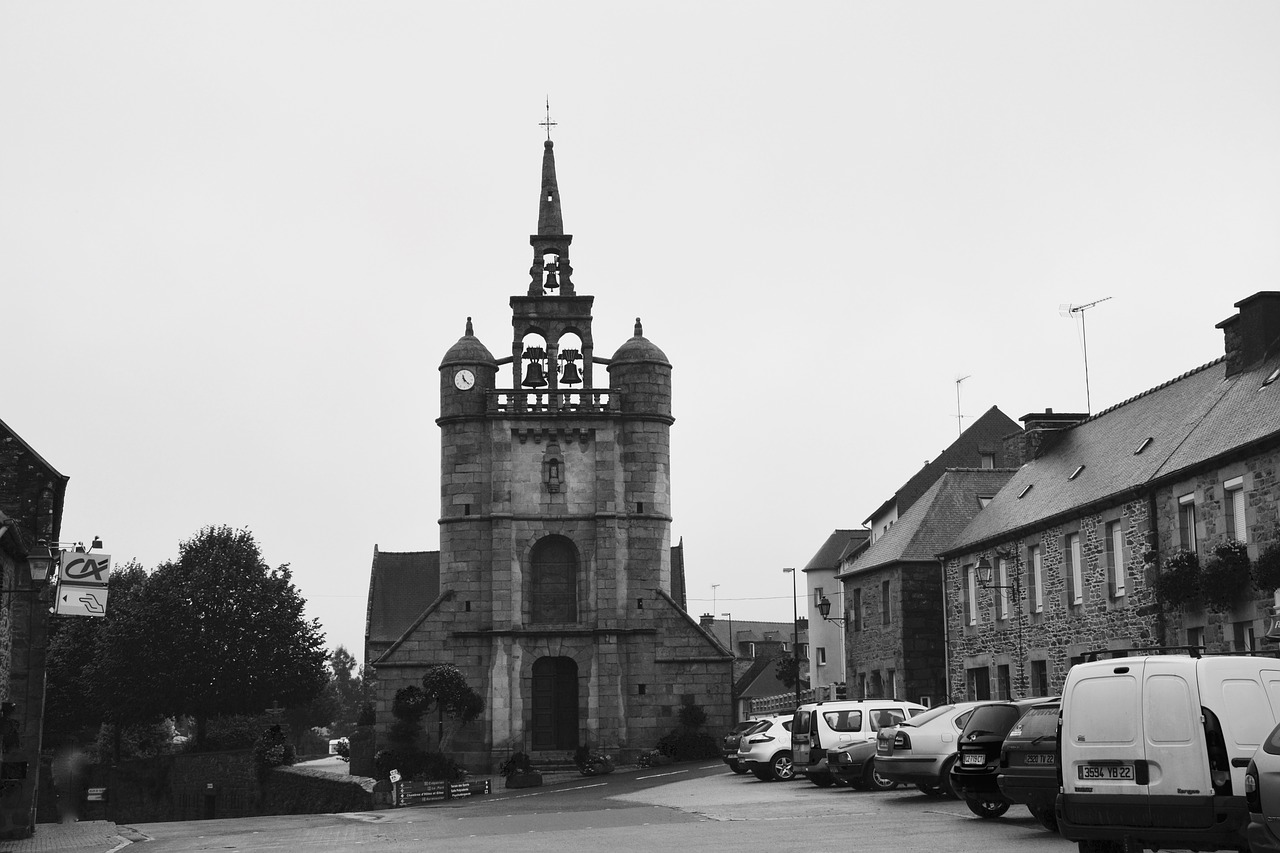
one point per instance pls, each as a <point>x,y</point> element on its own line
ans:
<point>1064,559</point>
<point>31,499</point>
<point>557,595</point>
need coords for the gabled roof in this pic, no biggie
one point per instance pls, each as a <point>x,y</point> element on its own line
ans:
<point>1190,421</point>
<point>933,521</point>
<point>746,631</point>
<point>985,435</point>
<point>765,682</point>
<point>401,586</point>
<point>837,544</point>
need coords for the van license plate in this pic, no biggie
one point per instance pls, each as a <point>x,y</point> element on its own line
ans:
<point>1040,758</point>
<point>1123,772</point>
<point>973,758</point>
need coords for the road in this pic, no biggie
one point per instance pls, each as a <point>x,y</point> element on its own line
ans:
<point>685,807</point>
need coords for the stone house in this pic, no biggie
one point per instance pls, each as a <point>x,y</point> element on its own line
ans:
<point>1076,539</point>
<point>894,589</point>
<point>31,499</point>
<point>756,648</point>
<point>560,596</point>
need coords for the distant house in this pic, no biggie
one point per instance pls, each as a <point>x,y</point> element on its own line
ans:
<point>1066,557</point>
<point>828,642</point>
<point>756,648</point>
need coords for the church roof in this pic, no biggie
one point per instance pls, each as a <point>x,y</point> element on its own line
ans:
<point>468,350</point>
<point>639,349</point>
<point>401,586</point>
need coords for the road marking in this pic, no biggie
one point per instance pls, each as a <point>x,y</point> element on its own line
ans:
<point>540,793</point>
<point>660,775</point>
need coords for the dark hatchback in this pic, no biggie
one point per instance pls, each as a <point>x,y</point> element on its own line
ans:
<point>729,744</point>
<point>973,776</point>
<point>1029,763</point>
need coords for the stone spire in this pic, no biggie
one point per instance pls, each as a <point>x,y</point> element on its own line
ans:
<point>550,222</point>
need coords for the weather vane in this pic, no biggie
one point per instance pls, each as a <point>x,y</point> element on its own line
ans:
<point>548,124</point>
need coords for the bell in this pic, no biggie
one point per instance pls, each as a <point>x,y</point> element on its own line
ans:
<point>552,281</point>
<point>570,374</point>
<point>533,376</point>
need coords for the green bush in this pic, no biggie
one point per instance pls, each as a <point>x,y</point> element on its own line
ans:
<point>272,749</point>
<point>1266,569</point>
<point>1178,583</point>
<point>1226,575</point>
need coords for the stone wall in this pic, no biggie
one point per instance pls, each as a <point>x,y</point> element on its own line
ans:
<point>905,658</point>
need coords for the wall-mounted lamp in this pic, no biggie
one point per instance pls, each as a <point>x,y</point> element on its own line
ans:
<point>824,610</point>
<point>40,561</point>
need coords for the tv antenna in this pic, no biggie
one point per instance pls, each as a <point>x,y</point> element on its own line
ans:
<point>960,417</point>
<point>1067,311</point>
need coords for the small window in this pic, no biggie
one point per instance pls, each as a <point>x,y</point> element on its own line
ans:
<point>1275,374</point>
<point>1022,494</point>
<point>1187,522</point>
<point>1075,571</point>
<point>885,609</point>
<point>640,689</point>
<point>1115,558</point>
<point>988,460</point>
<point>970,596</point>
<point>983,500</point>
<point>821,652</point>
<point>1143,445</point>
<point>1233,493</point>
<point>1195,637</point>
<point>1076,473</point>
<point>1035,579</point>
<point>856,613</point>
<point>817,596</point>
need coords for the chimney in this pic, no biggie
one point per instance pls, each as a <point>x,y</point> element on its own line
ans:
<point>706,620</point>
<point>1040,431</point>
<point>1249,334</point>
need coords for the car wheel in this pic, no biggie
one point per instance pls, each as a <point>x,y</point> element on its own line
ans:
<point>782,768</point>
<point>822,780</point>
<point>873,781</point>
<point>929,790</point>
<point>1046,817</point>
<point>987,806</point>
<point>736,767</point>
<point>944,782</point>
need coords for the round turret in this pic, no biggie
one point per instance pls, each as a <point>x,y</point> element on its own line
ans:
<point>467,373</point>
<point>640,372</point>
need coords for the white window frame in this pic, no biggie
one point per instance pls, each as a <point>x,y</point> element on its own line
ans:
<point>1187,532</point>
<point>1072,555</point>
<point>1115,556</point>
<point>1233,501</point>
<point>1037,580</point>
<point>1002,581</point>
<point>971,593</point>
<point>821,652</point>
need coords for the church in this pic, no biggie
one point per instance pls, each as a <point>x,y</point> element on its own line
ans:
<point>556,590</point>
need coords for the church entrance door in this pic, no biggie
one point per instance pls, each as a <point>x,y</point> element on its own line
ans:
<point>555,703</point>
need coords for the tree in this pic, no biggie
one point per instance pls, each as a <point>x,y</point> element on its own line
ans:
<point>230,631</point>
<point>787,670</point>
<point>348,691</point>
<point>445,691</point>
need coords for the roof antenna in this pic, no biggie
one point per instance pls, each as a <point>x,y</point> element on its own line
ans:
<point>1066,311</point>
<point>959,417</point>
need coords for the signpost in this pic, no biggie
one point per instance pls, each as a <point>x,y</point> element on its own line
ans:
<point>82,584</point>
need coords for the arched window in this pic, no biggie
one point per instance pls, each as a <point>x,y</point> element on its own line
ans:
<point>553,585</point>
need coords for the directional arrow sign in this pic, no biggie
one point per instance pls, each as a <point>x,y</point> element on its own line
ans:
<point>81,600</point>
<point>78,568</point>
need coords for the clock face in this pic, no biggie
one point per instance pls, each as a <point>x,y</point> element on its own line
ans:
<point>464,379</point>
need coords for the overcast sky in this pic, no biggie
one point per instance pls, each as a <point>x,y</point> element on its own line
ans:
<point>236,239</point>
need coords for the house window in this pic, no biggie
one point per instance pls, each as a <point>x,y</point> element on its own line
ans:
<point>1002,595</point>
<point>821,651</point>
<point>977,684</point>
<point>1234,493</point>
<point>857,610</point>
<point>1003,684</point>
<point>1195,637</point>
<point>1115,558</point>
<point>1187,522</point>
<point>970,596</point>
<point>1040,678</point>
<point>1245,640</point>
<point>1075,572</point>
<point>983,500</point>
<point>1035,579</point>
<point>751,650</point>
<point>988,460</point>
<point>885,618</point>
<point>817,596</point>
<point>804,651</point>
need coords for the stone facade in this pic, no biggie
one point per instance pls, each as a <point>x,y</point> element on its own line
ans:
<point>555,568</point>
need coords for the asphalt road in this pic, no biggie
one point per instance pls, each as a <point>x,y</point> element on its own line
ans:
<point>685,807</point>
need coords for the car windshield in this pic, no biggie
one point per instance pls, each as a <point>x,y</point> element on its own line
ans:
<point>992,720</point>
<point>928,715</point>
<point>844,721</point>
<point>1037,723</point>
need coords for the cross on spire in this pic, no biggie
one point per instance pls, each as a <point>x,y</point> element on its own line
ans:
<point>548,124</point>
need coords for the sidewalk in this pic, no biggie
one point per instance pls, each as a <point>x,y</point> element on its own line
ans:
<point>91,836</point>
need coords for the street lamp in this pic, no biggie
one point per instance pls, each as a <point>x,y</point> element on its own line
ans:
<point>986,574</point>
<point>824,608</point>
<point>795,632</point>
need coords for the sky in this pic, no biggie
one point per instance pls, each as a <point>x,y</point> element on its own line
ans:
<point>237,238</point>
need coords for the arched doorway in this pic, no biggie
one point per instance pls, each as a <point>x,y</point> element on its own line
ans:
<point>555,703</point>
<point>553,586</point>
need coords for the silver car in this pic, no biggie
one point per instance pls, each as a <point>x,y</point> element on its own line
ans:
<point>766,750</point>
<point>921,750</point>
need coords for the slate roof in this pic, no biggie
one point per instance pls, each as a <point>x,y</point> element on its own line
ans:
<point>755,632</point>
<point>933,521</point>
<point>837,544</point>
<point>765,681</point>
<point>401,586</point>
<point>1191,420</point>
<point>985,435</point>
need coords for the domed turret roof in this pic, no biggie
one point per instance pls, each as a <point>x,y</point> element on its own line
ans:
<point>639,349</point>
<point>468,350</point>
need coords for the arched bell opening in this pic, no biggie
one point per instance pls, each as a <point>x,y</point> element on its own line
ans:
<point>570,367</point>
<point>531,368</point>
<point>550,274</point>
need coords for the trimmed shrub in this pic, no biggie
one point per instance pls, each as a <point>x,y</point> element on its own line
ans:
<point>1178,583</point>
<point>1226,575</point>
<point>1266,569</point>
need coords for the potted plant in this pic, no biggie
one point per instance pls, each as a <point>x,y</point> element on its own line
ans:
<point>520,772</point>
<point>1266,569</point>
<point>1226,575</point>
<point>1178,582</point>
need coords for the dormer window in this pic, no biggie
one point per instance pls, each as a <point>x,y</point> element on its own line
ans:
<point>1146,442</point>
<point>1022,494</point>
<point>1076,473</point>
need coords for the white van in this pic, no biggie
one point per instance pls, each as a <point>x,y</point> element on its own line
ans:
<point>1153,749</point>
<point>842,725</point>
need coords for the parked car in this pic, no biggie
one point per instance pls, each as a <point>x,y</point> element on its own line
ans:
<point>766,750</point>
<point>847,728</point>
<point>1155,749</point>
<point>729,744</point>
<point>1262,793</point>
<point>1028,771</point>
<point>921,750</point>
<point>973,775</point>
